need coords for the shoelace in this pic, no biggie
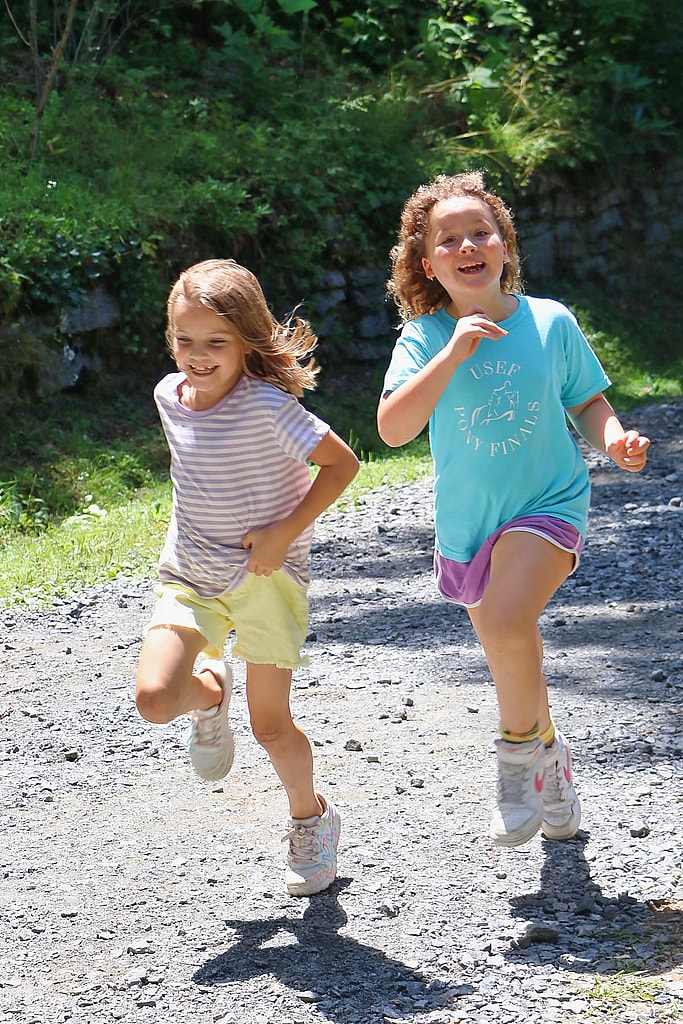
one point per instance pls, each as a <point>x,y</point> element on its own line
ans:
<point>304,844</point>
<point>556,786</point>
<point>207,730</point>
<point>511,783</point>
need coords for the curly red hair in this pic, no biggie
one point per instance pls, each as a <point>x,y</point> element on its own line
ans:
<point>412,292</point>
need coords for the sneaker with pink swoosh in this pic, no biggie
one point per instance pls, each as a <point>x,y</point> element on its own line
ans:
<point>519,793</point>
<point>561,807</point>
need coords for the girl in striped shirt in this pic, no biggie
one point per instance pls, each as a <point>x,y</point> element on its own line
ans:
<point>236,556</point>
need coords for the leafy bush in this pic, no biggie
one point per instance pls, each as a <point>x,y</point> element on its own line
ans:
<point>180,178</point>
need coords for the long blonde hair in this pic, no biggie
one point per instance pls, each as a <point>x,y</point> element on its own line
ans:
<point>413,293</point>
<point>280,353</point>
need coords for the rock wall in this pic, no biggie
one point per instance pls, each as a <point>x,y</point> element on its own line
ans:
<point>596,232</point>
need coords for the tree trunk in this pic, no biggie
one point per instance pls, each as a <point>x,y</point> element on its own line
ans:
<point>51,78</point>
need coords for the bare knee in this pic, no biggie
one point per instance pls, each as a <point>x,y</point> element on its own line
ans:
<point>154,702</point>
<point>270,734</point>
<point>505,625</point>
<point>164,674</point>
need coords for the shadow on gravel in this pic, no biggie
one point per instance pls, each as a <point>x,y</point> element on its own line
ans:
<point>593,933</point>
<point>307,954</point>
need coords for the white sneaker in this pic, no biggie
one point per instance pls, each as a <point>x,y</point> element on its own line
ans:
<point>519,794</point>
<point>312,854</point>
<point>561,807</point>
<point>210,739</point>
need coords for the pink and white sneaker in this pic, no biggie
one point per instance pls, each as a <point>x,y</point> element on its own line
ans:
<point>561,807</point>
<point>519,793</point>
<point>312,853</point>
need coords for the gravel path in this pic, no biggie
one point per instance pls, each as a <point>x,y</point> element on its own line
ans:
<point>131,891</point>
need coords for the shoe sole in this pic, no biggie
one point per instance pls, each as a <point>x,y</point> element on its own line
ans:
<point>567,831</point>
<point>520,836</point>
<point>304,890</point>
<point>217,775</point>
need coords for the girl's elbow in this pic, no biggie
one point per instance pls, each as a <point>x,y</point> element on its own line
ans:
<point>352,466</point>
<point>391,439</point>
<point>393,434</point>
<point>389,432</point>
<point>345,469</point>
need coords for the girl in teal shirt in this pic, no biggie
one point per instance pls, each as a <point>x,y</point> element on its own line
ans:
<point>495,374</point>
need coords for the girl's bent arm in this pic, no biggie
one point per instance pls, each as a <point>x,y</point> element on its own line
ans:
<point>403,413</point>
<point>598,423</point>
<point>338,466</point>
<point>269,545</point>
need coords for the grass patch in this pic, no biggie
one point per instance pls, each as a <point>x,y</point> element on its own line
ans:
<point>626,989</point>
<point>398,467</point>
<point>623,988</point>
<point>92,546</point>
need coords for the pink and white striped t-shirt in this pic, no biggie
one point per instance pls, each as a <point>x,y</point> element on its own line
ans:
<point>238,466</point>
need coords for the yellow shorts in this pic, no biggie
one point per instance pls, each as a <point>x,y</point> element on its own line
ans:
<point>268,613</point>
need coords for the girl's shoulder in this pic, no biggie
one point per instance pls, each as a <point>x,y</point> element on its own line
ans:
<point>167,388</point>
<point>169,381</point>
<point>545,306</point>
<point>262,392</point>
<point>429,321</point>
<point>429,326</point>
<point>550,316</point>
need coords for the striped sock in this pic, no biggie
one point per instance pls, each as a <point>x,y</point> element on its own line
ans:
<point>548,736</point>
<point>519,737</point>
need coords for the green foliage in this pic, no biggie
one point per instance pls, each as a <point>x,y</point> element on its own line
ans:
<point>59,260</point>
<point>21,512</point>
<point>375,35</point>
<point>287,134</point>
<point>168,185</point>
<point>530,86</point>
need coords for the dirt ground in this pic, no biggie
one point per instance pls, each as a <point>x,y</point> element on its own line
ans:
<point>131,891</point>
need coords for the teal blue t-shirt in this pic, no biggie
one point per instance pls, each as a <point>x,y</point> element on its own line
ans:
<point>499,435</point>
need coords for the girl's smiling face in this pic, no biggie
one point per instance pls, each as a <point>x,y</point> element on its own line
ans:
<point>465,251</point>
<point>208,351</point>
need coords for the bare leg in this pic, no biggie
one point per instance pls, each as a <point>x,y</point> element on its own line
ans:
<point>526,570</point>
<point>165,686</point>
<point>287,746</point>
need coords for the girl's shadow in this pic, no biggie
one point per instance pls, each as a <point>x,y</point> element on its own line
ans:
<point>593,933</point>
<point>337,972</point>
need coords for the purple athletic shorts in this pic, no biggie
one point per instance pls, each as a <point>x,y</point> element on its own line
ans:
<point>465,582</point>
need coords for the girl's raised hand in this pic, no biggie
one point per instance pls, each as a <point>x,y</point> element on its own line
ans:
<point>469,331</point>
<point>629,451</point>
